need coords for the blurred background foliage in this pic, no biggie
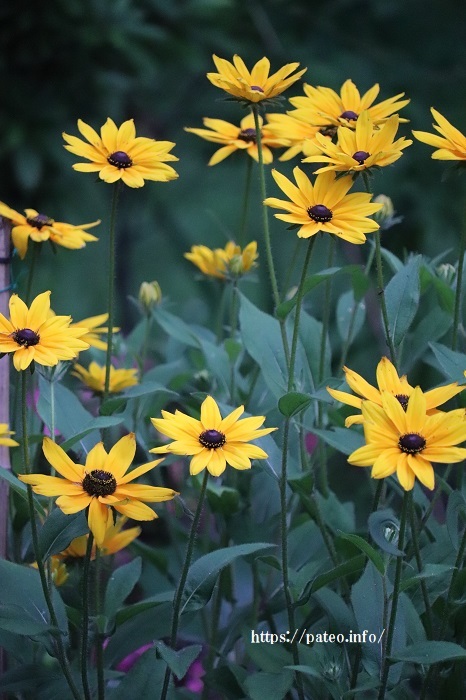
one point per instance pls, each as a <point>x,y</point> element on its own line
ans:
<point>90,59</point>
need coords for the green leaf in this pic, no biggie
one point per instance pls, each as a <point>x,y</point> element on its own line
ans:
<point>402,295</point>
<point>456,507</point>
<point>27,677</point>
<point>292,403</point>
<point>342,439</point>
<point>21,489</point>
<point>430,571</point>
<point>178,661</point>
<point>202,575</point>
<point>98,423</point>
<point>428,653</point>
<point>59,530</point>
<point>453,364</point>
<point>383,523</point>
<point>15,618</point>
<point>365,547</point>
<point>273,686</point>
<point>222,499</point>
<point>144,681</point>
<point>342,570</point>
<point>120,585</point>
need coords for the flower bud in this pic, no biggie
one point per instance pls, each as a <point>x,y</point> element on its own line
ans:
<point>446,272</point>
<point>150,295</point>
<point>387,212</point>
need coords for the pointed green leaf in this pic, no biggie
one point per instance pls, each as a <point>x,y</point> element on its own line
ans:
<point>292,403</point>
<point>402,295</point>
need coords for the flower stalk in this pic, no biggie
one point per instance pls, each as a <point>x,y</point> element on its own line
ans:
<point>111,287</point>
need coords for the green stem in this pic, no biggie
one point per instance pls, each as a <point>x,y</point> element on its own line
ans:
<point>184,575</point>
<point>246,198</point>
<point>100,637</point>
<point>378,494</point>
<point>326,311</point>
<point>85,618</point>
<point>291,266</point>
<point>459,284</point>
<point>417,555</point>
<point>233,326</point>
<point>111,287</point>
<point>395,597</point>
<point>299,301</point>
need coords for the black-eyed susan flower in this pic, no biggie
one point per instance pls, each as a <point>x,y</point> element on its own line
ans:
<point>213,441</point>
<point>102,484</point>
<point>40,227</point>
<point>451,144</point>
<point>118,154</point>
<point>238,138</point>
<point>388,380</point>
<point>94,377</point>
<point>325,206</point>
<point>5,438</point>
<point>256,85</point>
<point>407,442</point>
<point>361,148</point>
<point>115,539</point>
<point>58,570</point>
<point>297,135</point>
<point>95,330</point>
<point>32,335</point>
<point>322,106</point>
<point>230,261</point>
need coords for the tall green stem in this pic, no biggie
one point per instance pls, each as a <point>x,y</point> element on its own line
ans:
<point>111,286</point>
<point>459,284</point>
<point>417,555</point>
<point>85,619</point>
<point>100,636</point>
<point>299,301</point>
<point>326,312</point>
<point>233,326</point>
<point>184,575</point>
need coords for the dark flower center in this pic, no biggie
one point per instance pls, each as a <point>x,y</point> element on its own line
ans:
<point>212,439</point>
<point>411,443</point>
<point>25,337</point>
<point>329,131</point>
<point>99,483</point>
<point>350,115</point>
<point>120,160</point>
<point>361,156</point>
<point>320,213</point>
<point>248,135</point>
<point>403,399</point>
<point>39,221</point>
<point>257,88</point>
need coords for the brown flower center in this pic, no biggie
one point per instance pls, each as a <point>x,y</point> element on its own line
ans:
<point>212,439</point>
<point>328,131</point>
<point>361,156</point>
<point>25,337</point>
<point>120,160</point>
<point>403,399</point>
<point>350,115</point>
<point>256,88</point>
<point>248,135</point>
<point>320,213</point>
<point>411,443</point>
<point>99,483</point>
<point>39,221</point>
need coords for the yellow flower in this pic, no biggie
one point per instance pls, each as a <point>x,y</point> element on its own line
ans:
<point>361,148</point>
<point>224,262</point>
<point>33,336</point>
<point>389,381</point>
<point>114,540</point>
<point>322,106</point>
<point>58,570</point>
<point>254,86</point>
<point>40,228</point>
<point>406,442</point>
<point>237,138</point>
<point>150,295</point>
<point>325,206</point>
<point>94,330</point>
<point>5,438</point>
<point>451,143</point>
<point>100,485</point>
<point>297,135</point>
<point>117,154</point>
<point>214,442</point>
<point>94,377</point>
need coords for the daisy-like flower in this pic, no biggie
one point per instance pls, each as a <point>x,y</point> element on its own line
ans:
<point>57,569</point>
<point>388,380</point>
<point>297,135</point>
<point>451,143</point>
<point>238,138</point>
<point>102,484</point>
<point>5,438</point>
<point>322,106</point>
<point>407,442</point>
<point>117,154</point>
<point>361,148</point>
<point>255,86</point>
<point>94,377</point>
<point>114,540</point>
<point>40,227</point>
<point>213,441</point>
<point>224,262</point>
<point>31,335</point>
<point>93,328</point>
<point>325,206</point>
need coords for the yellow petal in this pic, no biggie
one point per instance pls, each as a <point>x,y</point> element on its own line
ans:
<point>61,462</point>
<point>121,455</point>
<point>98,519</point>
<point>210,414</point>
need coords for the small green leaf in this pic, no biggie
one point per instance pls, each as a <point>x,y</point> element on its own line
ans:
<point>178,661</point>
<point>430,653</point>
<point>15,618</point>
<point>383,523</point>
<point>342,439</point>
<point>21,489</point>
<point>402,295</point>
<point>365,547</point>
<point>292,403</point>
<point>120,585</point>
<point>59,530</point>
<point>456,507</point>
<point>453,364</point>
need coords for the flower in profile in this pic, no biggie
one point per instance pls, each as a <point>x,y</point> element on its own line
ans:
<point>58,570</point>
<point>95,330</point>
<point>94,377</point>
<point>118,154</point>
<point>5,439</point>
<point>32,336</point>
<point>238,138</point>
<point>325,206</point>
<point>115,539</point>
<point>255,86</point>
<point>406,442</point>
<point>102,484</point>
<point>226,262</point>
<point>150,295</point>
<point>322,106</point>
<point>213,441</point>
<point>389,381</point>
<point>297,135</point>
<point>451,144</point>
<point>361,148</point>
<point>40,227</point>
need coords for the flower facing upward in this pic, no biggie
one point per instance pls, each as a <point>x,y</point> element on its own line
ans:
<point>5,438</point>
<point>322,106</point>
<point>94,377</point>
<point>406,442</point>
<point>388,380</point>
<point>114,540</point>
<point>254,86</point>
<point>213,441</point>
<point>325,206</point>
<point>230,261</point>
<point>31,335</point>
<point>237,138</point>
<point>100,485</point>
<point>451,143</point>
<point>117,154</point>
<point>361,148</point>
<point>40,228</point>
